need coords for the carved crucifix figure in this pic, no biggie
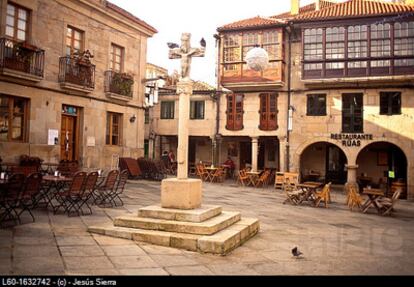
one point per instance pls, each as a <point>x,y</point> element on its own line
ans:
<point>185,53</point>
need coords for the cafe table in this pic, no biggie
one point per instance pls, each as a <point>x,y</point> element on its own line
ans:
<point>54,184</point>
<point>373,194</point>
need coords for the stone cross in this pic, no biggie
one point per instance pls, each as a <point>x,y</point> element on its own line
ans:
<point>184,90</point>
<point>186,53</point>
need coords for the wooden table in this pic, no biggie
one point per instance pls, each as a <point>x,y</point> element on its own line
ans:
<point>53,185</point>
<point>253,177</point>
<point>309,190</point>
<point>211,170</point>
<point>373,194</point>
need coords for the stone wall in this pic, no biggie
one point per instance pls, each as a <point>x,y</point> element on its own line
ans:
<point>101,27</point>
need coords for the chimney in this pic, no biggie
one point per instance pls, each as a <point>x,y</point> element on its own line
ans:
<point>294,7</point>
<point>317,5</point>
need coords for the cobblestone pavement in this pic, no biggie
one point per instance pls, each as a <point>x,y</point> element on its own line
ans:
<point>334,241</point>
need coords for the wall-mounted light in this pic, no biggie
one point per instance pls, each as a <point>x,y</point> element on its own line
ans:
<point>132,118</point>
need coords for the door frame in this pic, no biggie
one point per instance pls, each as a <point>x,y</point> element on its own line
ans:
<point>76,134</point>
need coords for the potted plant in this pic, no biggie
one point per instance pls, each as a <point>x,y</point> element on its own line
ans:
<point>122,83</point>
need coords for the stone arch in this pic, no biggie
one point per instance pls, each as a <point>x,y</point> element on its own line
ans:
<point>405,149</point>
<point>302,147</point>
<point>322,160</point>
<point>368,161</point>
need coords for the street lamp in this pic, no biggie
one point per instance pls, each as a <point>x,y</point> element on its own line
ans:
<point>257,59</point>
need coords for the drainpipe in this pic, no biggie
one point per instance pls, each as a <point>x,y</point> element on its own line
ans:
<point>289,30</point>
<point>217,137</point>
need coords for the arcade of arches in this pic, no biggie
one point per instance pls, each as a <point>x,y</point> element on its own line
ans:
<point>379,165</point>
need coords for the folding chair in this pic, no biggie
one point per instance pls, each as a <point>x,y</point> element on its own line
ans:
<point>386,205</point>
<point>292,193</point>
<point>71,198</point>
<point>323,195</point>
<point>88,190</point>
<point>243,178</point>
<point>10,199</point>
<point>30,194</point>
<point>105,190</point>
<point>353,198</point>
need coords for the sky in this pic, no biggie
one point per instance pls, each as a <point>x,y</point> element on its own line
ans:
<point>200,18</point>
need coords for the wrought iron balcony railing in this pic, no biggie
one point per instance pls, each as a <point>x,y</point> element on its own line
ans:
<point>75,71</point>
<point>21,57</point>
<point>119,83</point>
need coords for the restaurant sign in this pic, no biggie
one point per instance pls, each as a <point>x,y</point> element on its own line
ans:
<point>351,140</point>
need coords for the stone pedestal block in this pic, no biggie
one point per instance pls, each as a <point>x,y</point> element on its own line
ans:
<point>181,193</point>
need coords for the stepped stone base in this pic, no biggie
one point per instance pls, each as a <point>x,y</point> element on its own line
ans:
<point>206,229</point>
<point>195,215</point>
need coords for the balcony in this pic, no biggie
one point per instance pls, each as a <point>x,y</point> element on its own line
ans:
<point>119,86</point>
<point>21,60</point>
<point>77,73</point>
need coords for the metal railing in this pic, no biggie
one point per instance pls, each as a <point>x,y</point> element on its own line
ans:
<point>119,83</point>
<point>74,71</point>
<point>21,56</point>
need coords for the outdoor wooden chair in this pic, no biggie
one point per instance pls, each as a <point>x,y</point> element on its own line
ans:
<point>323,195</point>
<point>132,165</point>
<point>104,191</point>
<point>386,205</point>
<point>243,178</point>
<point>279,180</point>
<point>293,194</point>
<point>89,188</point>
<point>71,198</point>
<point>202,173</point>
<point>218,175</point>
<point>354,198</point>
<point>9,201</point>
<point>120,186</point>
<point>263,179</point>
<point>31,193</point>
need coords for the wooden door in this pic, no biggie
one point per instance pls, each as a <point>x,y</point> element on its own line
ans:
<point>68,138</point>
<point>245,154</point>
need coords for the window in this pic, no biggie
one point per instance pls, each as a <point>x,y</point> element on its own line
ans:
<point>113,128</point>
<point>313,48</point>
<point>197,110</point>
<point>352,113</point>
<point>167,110</point>
<point>13,118</point>
<point>390,103</point>
<point>380,44</point>
<point>357,46</point>
<point>117,58</point>
<point>74,41</point>
<point>270,42</point>
<point>268,111</point>
<point>359,50</point>
<point>231,51</point>
<point>17,20</point>
<point>146,116</point>
<point>404,42</point>
<point>235,112</point>
<point>316,105</point>
<point>250,40</point>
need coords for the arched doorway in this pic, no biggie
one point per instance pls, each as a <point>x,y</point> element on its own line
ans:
<point>323,161</point>
<point>383,165</point>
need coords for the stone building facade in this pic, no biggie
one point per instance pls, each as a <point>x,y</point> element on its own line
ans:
<point>71,76</point>
<point>344,92</point>
<point>163,124</point>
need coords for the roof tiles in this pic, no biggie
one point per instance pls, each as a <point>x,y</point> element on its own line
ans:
<point>356,8</point>
<point>251,22</point>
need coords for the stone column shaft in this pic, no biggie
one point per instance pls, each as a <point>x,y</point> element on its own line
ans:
<point>184,90</point>
<point>352,174</point>
<point>255,152</point>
